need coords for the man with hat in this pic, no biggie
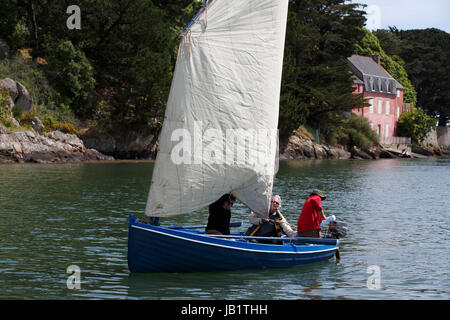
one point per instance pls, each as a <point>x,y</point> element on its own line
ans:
<point>308,224</point>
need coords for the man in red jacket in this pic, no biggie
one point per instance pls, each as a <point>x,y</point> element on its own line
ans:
<point>308,224</point>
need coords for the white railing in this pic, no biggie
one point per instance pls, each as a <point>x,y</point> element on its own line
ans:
<point>395,140</point>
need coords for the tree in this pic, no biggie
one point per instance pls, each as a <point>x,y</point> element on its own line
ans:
<point>426,54</point>
<point>316,80</point>
<point>127,46</point>
<point>415,124</point>
<point>72,75</point>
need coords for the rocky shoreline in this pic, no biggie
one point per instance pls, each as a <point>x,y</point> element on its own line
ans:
<point>52,147</point>
<point>58,147</point>
<point>39,146</point>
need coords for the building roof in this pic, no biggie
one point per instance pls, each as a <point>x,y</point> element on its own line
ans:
<point>372,75</point>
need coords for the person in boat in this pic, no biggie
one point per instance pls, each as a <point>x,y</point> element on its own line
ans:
<point>308,224</point>
<point>220,215</point>
<point>272,226</point>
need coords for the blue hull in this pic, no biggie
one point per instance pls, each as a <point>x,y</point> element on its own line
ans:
<point>161,249</point>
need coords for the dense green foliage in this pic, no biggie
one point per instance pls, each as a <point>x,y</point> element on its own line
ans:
<point>349,131</point>
<point>426,56</point>
<point>415,124</point>
<point>73,76</point>
<point>393,65</point>
<point>117,66</point>
<point>320,36</point>
<point>117,69</point>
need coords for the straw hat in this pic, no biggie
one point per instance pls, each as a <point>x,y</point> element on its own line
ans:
<point>318,193</point>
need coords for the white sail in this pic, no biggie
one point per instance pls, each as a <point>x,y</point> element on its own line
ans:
<point>219,133</point>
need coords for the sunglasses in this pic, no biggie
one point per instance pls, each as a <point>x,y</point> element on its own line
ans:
<point>274,202</point>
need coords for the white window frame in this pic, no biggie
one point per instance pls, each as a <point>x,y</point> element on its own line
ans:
<point>398,112</point>
<point>386,130</point>
<point>380,106</point>
<point>398,93</point>
<point>388,107</point>
<point>371,106</point>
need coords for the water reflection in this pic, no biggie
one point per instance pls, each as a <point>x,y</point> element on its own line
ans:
<point>294,283</point>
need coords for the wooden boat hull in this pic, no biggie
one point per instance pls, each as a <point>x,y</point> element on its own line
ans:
<point>161,249</point>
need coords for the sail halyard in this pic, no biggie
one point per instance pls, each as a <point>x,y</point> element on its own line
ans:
<point>220,129</point>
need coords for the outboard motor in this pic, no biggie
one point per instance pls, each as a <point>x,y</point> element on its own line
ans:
<point>336,230</point>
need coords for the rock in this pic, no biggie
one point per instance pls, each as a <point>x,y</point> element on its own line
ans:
<point>387,155</point>
<point>358,154</point>
<point>24,100</point>
<point>15,123</point>
<point>71,141</point>
<point>298,149</point>
<point>293,149</point>
<point>308,149</point>
<point>3,130</point>
<point>18,93</point>
<point>420,150</point>
<point>342,154</point>
<point>132,145</point>
<point>11,85</point>
<point>336,153</point>
<point>55,147</point>
<point>37,125</point>
<point>320,152</point>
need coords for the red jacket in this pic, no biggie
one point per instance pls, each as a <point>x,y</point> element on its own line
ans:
<point>310,217</point>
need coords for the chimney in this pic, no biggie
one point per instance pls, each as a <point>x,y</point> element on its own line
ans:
<point>375,58</point>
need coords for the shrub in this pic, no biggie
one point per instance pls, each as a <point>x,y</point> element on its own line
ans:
<point>72,76</point>
<point>5,112</point>
<point>349,131</point>
<point>63,127</point>
<point>415,124</point>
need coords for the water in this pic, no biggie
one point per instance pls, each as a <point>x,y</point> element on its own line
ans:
<point>55,216</point>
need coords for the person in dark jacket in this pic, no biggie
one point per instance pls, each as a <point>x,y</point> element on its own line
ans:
<point>220,215</point>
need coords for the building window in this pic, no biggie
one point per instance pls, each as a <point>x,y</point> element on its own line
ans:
<point>380,106</point>
<point>388,107</point>
<point>371,125</point>
<point>386,132</point>
<point>371,105</point>
<point>398,112</point>
<point>372,88</point>
<point>398,93</point>
<point>379,130</point>
<point>387,85</point>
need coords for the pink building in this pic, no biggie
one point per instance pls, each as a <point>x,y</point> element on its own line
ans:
<point>385,95</point>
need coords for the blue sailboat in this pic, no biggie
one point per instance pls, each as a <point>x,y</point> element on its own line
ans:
<point>164,249</point>
<point>219,136</point>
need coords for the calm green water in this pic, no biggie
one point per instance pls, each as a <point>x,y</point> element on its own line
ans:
<point>55,216</point>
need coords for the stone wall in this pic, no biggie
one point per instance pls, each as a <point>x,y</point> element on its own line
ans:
<point>431,139</point>
<point>443,136</point>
